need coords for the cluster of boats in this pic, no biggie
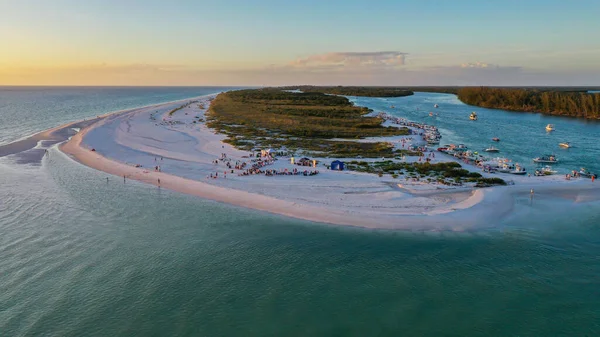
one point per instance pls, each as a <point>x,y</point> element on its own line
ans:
<point>491,165</point>
<point>504,165</point>
<point>430,133</point>
<point>432,136</point>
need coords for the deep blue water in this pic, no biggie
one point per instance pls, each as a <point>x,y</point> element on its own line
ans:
<point>81,256</point>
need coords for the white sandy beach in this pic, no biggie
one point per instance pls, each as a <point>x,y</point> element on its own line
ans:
<point>185,149</point>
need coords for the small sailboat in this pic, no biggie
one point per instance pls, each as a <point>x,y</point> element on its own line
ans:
<point>565,145</point>
<point>473,116</point>
<point>496,139</point>
<point>492,149</point>
<point>550,127</point>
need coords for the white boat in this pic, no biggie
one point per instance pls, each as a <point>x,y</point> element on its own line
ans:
<point>545,171</point>
<point>492,149</point>
<point>506,168</point>
<point>473,116</point>
<point>518,170</point>
<point>565,145</point>
<point>585,173</point>
<point>547,159</point>
<point>550,127</point>
<point>436,106</point>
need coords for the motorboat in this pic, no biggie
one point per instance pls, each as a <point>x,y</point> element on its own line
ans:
<point>506,168</point>
<point>473,116</point>
<point>496,139</point>
<point>565,145</point>
<point>431,114</point>
<point>519,170</point>
<point>547,159</point>
<point>545,171</point>
<point>436,106</point>
<point>492,149</point>
<point>585,173</point>
<point>550,127</point>
<point>393,107</point>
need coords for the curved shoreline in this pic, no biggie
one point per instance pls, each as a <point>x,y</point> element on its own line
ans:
<point>458,209</point>
<point>60,133</point>
<point>75,150</point>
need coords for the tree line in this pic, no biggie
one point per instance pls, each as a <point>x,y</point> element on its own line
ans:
<point>560,103</point>
<point>353,91</point>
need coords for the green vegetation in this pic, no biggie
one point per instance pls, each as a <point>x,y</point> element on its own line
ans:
<point>355,91</point>
<point>445,173</point>
<point>175,110</point>
<point>181,107</point>
<point>273,118</point>
<point>561,103</point>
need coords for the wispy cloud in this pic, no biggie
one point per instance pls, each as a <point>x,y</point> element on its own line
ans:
<point>476,65</point>
<point>365,68</point>
<point>352,59</point>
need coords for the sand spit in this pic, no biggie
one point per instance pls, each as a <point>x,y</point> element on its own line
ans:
<point>178,151</point>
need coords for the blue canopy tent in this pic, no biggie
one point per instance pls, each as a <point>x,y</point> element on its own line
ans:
<point>337,165</point>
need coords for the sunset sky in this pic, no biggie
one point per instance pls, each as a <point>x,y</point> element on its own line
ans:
<point>267,42</point>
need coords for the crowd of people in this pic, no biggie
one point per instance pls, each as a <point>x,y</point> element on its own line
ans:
<point>255,167</point>
<point>294,172</point>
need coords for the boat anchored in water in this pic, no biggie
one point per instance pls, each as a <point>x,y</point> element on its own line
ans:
<point>545,171</point>
<point>496,139</point>
<point>492,149</point>
<point>550,127</point>
<point>519,170</point>
<point>565,145</point>
<point>546,159</point>
<point>505,167</point>
<point>473,116</point>
<point>585,173</point>
<point>436,106</point>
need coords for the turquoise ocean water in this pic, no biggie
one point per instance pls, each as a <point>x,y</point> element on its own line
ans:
<point>81,256</point>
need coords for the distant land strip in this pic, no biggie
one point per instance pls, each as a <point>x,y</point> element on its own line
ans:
<point>354,91</point>
<point>558,101</point>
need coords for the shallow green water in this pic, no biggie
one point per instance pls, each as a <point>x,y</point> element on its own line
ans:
<point>81,256</point>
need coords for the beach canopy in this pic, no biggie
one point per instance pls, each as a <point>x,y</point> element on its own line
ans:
<point>337,165</point>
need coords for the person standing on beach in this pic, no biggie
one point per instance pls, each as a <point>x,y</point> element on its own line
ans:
<point>158,182</point>
<point>107,180</point>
